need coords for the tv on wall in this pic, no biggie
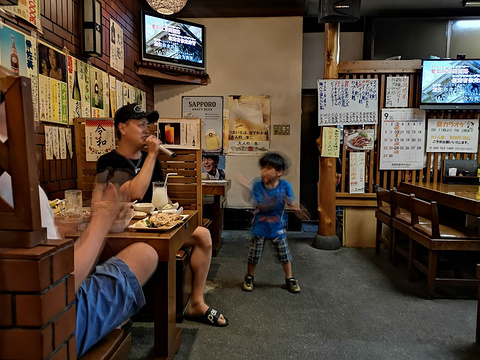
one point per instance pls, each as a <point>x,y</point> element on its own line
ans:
<point>172,41</point>
<point>450,84</point>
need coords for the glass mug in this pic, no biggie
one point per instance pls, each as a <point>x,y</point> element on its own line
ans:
<point>159,195</point>
<point>73,204</point>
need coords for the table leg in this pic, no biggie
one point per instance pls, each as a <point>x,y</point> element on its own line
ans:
<point>217,225</point>
<point>168,337</point>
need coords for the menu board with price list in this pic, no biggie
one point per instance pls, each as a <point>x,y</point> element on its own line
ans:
<point>347,102</point>
<point>402,139</point>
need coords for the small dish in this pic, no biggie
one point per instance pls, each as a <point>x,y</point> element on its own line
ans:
<point>170,207</point>
<point>137,215</point>
<point>144,207</point>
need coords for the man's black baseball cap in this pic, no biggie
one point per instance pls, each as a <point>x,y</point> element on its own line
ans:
<point>134,111</point>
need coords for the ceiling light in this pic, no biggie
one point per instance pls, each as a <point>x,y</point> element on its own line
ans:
<point>470,3</point>
<point>167,7</point>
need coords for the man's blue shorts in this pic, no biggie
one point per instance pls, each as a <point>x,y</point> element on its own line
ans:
<point>106,299</point>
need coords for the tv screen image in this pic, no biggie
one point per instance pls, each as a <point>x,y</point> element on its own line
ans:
<point>450,84</point>
<point>173,41</point>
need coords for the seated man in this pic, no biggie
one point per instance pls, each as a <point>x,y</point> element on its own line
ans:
<point>112,293</point>
<point>135,170</point>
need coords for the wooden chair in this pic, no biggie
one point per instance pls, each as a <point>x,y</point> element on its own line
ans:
<point>401,222</point>
<point>185,187</point>
<point>383,213</point>
<point>435,236</point>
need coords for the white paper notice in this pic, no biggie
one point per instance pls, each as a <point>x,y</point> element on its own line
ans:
<point>347,102</point>
<point>119,93</point>
<point>396,93</point>
<point>357,172</point>
<point>402,139</point>
<point>116,47</point>
<point>56,142</point>
<point>68,138</point>
<point>62,143</point>
<point>452,135</point>
<point>48,142</point>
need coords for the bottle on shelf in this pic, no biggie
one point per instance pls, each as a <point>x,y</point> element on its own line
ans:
<point>76,95</point>
<point>14,58</point>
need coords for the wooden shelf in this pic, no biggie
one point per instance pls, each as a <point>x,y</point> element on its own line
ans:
<point>171,75</point>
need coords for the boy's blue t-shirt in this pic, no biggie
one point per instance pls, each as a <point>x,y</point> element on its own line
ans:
<point>269,222</point>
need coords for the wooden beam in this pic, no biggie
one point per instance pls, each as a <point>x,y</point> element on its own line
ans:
<point>326,178</point>
<point>380,66</point>
<point>186,79</point>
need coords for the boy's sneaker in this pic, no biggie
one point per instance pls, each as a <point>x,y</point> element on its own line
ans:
<point>248,283</point>
<point>292,285</point>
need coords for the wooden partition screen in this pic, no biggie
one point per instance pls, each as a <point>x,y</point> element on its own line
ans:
<point>433,170</point>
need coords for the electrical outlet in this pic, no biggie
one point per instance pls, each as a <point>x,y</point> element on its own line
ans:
<point>281,129</point>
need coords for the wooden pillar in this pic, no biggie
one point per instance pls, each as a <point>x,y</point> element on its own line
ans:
<point>326,238</point>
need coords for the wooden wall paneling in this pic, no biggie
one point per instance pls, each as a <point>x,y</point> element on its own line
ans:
<point>70,23</point>
<point>53,10</point>
<point>47,9</point>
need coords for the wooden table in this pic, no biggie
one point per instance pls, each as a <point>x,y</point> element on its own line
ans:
<point>465,198</point>
<point>167,336</point>
<point>218,189</point>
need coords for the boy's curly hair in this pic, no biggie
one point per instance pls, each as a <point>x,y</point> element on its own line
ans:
<point>273,159</point>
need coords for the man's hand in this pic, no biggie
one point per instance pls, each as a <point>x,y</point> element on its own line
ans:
<point>105,202</point>
<point>152,143</point>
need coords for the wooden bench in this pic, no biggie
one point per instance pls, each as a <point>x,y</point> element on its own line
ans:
<point>401,222</point>
<point>114,346</point>
<point>430,233</point>
<point>384,216</point>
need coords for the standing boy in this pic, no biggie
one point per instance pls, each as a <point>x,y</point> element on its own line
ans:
<point>270,194</point>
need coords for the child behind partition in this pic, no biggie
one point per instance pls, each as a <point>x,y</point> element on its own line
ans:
<point>271,195</point>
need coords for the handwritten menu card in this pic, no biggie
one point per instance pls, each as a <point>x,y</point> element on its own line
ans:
<point>402,139</point>
<point>331,142</point>
<point>99,138</point>
<point>396,92</point>
<point>347,102</point>
<point>357,173</point>
<point>452,135</point>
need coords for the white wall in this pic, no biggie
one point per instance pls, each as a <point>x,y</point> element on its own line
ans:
<point>250,56</point>
<point>351,48</point>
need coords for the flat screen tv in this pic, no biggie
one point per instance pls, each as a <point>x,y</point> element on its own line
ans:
<point>172,41</point>
<point>450,84</point>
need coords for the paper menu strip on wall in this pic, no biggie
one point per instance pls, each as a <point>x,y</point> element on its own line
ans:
<point>48,142</point>
<point>396,91</point>
<point>56,142</point>
<point>68,139</point>
<point>62,143</point>
<point>331,142</point>
<point>357,172</point>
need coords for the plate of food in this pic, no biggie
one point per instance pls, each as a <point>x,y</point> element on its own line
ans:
<point>360,141</point>
<point>159,221</point>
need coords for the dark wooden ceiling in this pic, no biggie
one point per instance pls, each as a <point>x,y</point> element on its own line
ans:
<point>310,8</point>
<point>242,8</point>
